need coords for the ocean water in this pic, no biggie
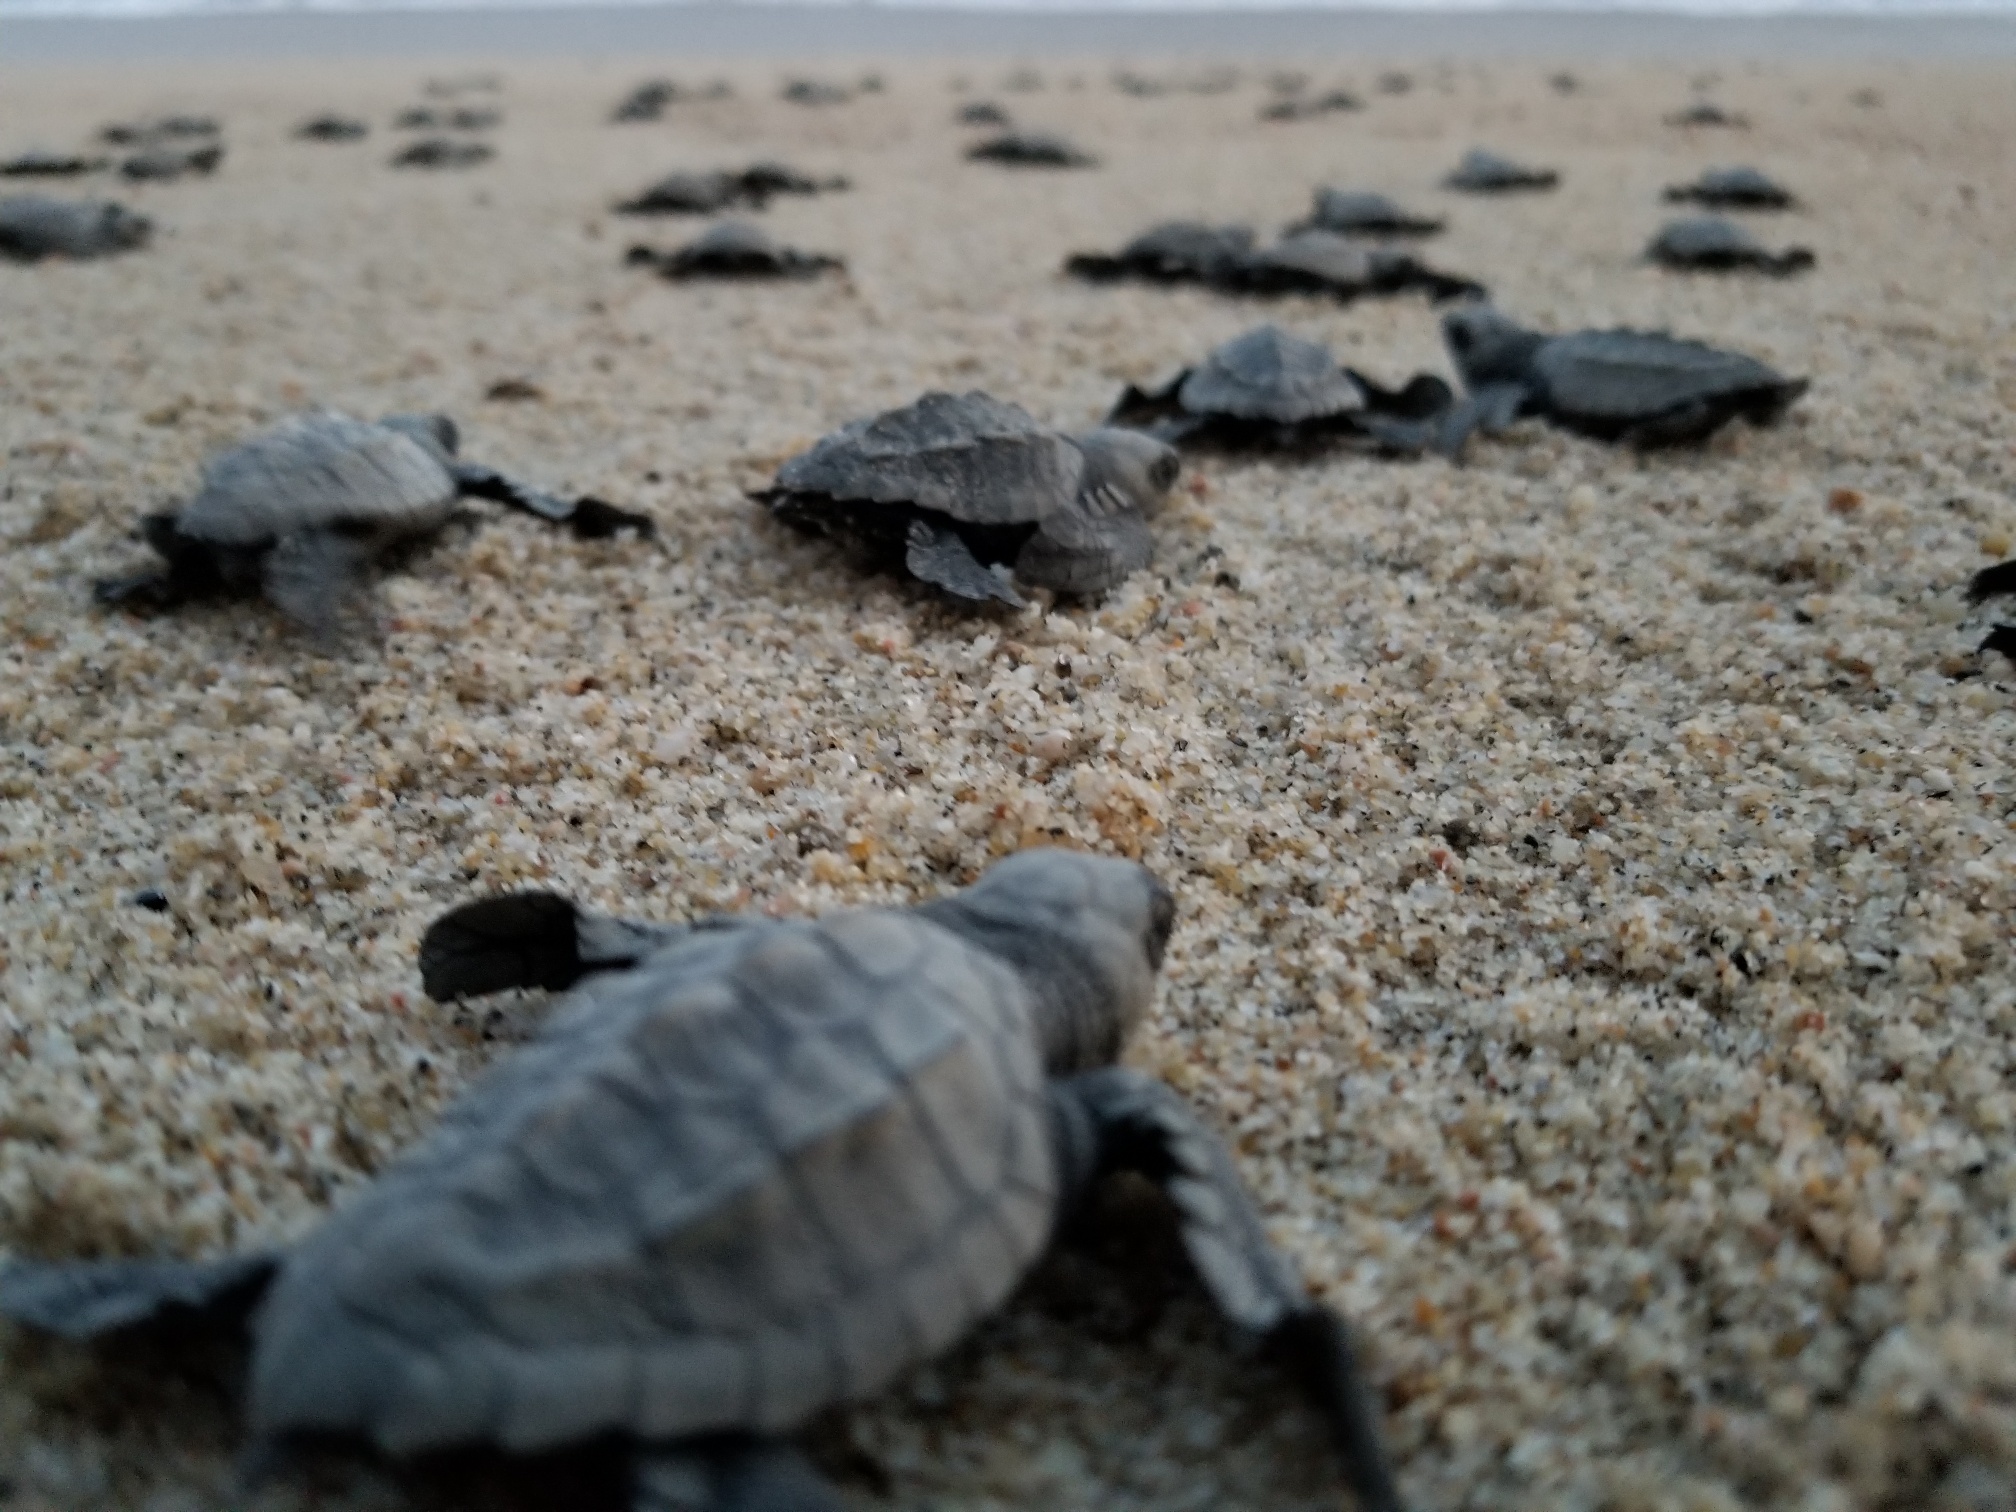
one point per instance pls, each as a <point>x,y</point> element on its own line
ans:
<point>1927,8</point>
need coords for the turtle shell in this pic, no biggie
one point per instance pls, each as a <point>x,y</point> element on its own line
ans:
<point>318,472</point>
<point>1031,149</point>
<point>969,456</point>
<point>763,1172</point>
<point>1610,382</point>
<point>34,226</point>
<point>1266,374</point>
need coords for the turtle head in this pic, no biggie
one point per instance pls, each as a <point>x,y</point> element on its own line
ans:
<point>1085,934</point>
<point>435,432</point>
<point>1488,347</point>
<point>1137,467</point>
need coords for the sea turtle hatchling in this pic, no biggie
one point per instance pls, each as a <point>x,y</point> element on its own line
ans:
<point>299,511</point>
<point>1031,149</point>
<point>1266,388</point>
<point>963,487</point>
<point>1177,251</point>
<point>35,226</point>
<point>734,249</point>
<point>1482,172</point>
<point>1645,388</point>
<point>39,162</point>
<point>1740,188</point>
<point>1306,262</point>
<point>332,128</point>
<point>1355,212</point>
<point>1713,244</point>
<point>443,152</point>
<point>746,1172</point>
<point>164,162</point>
<point>711,191</point>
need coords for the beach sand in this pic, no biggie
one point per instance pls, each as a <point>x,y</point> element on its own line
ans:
<point>1595,870</point>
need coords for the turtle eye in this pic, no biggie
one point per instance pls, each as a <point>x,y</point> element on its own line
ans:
<point>1459,336</point>
<point>1163,473</point>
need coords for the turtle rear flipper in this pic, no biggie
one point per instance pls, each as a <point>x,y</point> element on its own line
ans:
<point>529,939</point>
<point>1488,409</point>
<point>83,1299</point>
<point>589,518</point>
<point>1119,1120</point>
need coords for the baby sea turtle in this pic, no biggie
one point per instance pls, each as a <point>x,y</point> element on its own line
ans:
<point>956,485</point>
<point>1709,242</point>
<point>1645,388</point>
<point>1178,251</point>
<point>443,152</point>
<point>1330,102</point>
<point>1269,389</point>
<point>982,113</point>
<point>299,511</point>
<point>647,102</point>
<point>462,118</point>
<point>1031,149</point>
<point>1304,262</point>
<point>712,191</point>
<point>734,249</point>
<point>166,161</point>
<point>40,163</point>
<point>162,129</point>
<point>1707,113</point>
<point>34,226</point>
<point>1483,172</point>
<point>747,1172</point>
<point>1738,188</point>
<point>332,128</point>
<point>1312,261</point>
<point>1351,212</point>
<point>816,92</point>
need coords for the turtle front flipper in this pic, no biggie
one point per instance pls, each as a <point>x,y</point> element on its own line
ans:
<point>731,1474</point>
<point>1115,1119</point>
<point>318,579</point>
<point>529,939</point>
<point>1488,409</point>
<point>938,555</point>
<point>194,569</point>
<point>81,1299</point>
<point>589,518</point>
<point>1082,551</point>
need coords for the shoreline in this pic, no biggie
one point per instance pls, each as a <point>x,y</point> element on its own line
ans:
<point>776,31</point>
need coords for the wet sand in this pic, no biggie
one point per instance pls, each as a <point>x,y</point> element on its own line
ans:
<point>1595,870</point>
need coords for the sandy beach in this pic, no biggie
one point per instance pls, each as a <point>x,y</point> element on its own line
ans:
<point>1595,870</point>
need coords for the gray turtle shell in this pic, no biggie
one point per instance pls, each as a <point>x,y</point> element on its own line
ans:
<point>1328,255</point>
<point>1266,374</point>
<point>1698,237</point>
<point>1636,375</point>
<point>36,225</point>
<point>970,456</point>
<point>764,1171</point>
<point>315,472</point>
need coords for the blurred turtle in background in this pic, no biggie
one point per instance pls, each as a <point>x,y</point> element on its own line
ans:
<point>1482,172</point>
<point>734,249</point>
<point>1715,245</point>
<point>1354,212</point>
<point>1031,149</point>
<point>35,226</point>
<point>1737,188</point>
